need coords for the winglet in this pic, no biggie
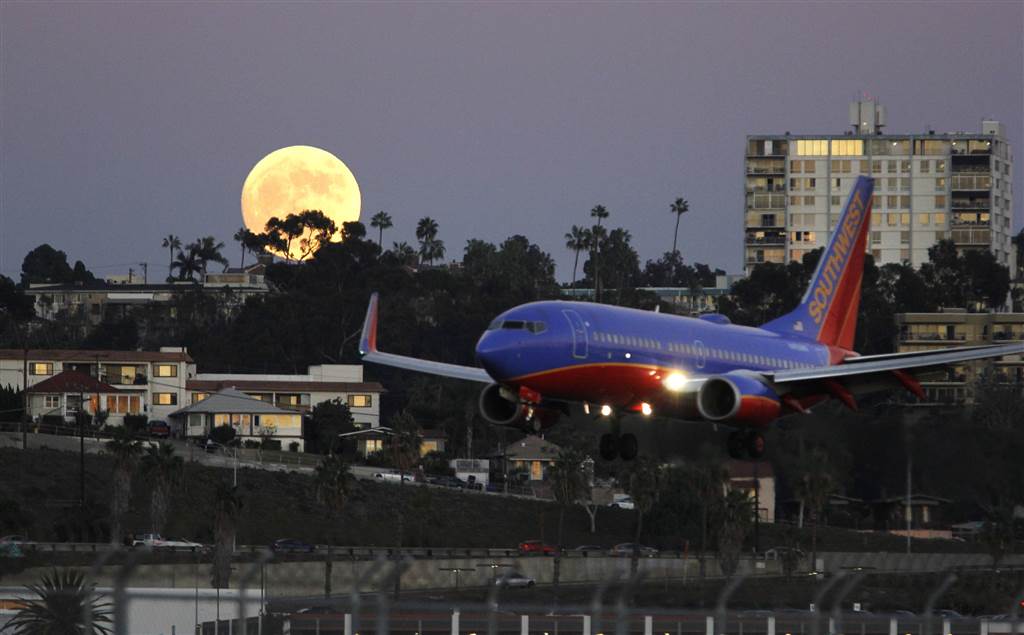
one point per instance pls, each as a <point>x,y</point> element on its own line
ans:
<point>368,340</point>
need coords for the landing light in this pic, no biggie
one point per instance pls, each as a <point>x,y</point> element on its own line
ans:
<point>606,410</point>
<point>586,408</point>
<point>646,409</point>
<point>675,381</point>
<point>628,355</point>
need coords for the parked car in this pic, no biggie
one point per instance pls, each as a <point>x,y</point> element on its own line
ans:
<point>212,446</point>
<point>158,541</point>
<point>590,548</point>
<point>292,544</point>
<point>159,429</point>
<point>528,547</point>
<point>393,476</point>
<point>14,539</point>
<point>626,549</point>
<point>623,502</point>
<point>514,579</point>
<point>448,481</point>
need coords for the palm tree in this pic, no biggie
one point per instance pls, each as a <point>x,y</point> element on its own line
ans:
<point>227,508</point>
<point>680,207</point>
<point>333,481</point>
<point>735,518</point>
<point>598,237</point>
<point>164,469</point>
<point>65,605</point>
<point>814,486</point>
<point>566,475</point>
<point>577,239</point>
<point>207,250</point>
<point>187,264</point>
<point>643,489</point>
<point>404,253</point>
<point>241,237</point>
<point>125,451</point>
<point>426,233</point>
<point>381,220</point>
<point>171,243</point>
<point>599,212</point>
<point>432,249</point>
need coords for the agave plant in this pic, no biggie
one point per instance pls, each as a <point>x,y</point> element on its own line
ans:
<point>64,605</point>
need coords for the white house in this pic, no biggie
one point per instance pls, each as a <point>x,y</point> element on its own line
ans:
<point>252,419</point>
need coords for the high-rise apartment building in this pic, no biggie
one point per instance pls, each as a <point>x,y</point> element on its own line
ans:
<point>928,187</point>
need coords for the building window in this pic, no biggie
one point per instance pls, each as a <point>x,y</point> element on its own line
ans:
<point>940,166</point>
<point>374,445</point>
<point>809,167</point>
<point>794,166</point>
<point>40,368</point>
<point>892,201</point>
<point>940,202</point>
<point>876,167</point>
<point>905,255</point>
<point>876,238</point>
<point>905,165</point>
<point>288,400</point>
<point>940,184</point>
<point>835,201</point>
<point>360,401</point>
<point>904,238</point>
<point>922,219</point>
<point>165,370</point>
<point>939,218</point>
<point>165,399</point>
<point>926,165</point>
<point>892,219</point>
<point>124,404</point>
<point>890,167</point>
<point>847,147</point>
<point>51,402</point>
<point>812,147</point>
<point>199,396</point>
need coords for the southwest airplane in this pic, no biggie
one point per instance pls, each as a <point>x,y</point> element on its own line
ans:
<point>539,358</point>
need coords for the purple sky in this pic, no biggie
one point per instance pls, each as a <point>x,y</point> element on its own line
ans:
<point>122,123</point>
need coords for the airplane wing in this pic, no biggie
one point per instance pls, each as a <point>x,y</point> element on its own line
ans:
<point>368,349</point>
<point>888,363</point>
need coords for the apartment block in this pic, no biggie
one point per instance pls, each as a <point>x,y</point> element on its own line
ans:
<point>957,327</point>
<point>929,186</point>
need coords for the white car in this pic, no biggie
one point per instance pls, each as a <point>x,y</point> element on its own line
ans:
<point>392,476</point>
<point>157,541</point>
<point>623,502</point>
<point>514,579</point>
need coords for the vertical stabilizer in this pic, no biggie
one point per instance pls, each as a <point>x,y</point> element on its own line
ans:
<point>828,310</point>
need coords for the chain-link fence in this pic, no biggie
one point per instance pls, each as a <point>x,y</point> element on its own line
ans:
<point>351,591</point>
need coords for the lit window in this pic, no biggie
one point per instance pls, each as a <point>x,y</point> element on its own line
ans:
<point>940,166</point>
<point>940,184</point>
<point>891,219</point>
<point>905,219</point>
<point>922,219</point>
<point>812,147</point>
<point>360,401</point>
<point>374,445</point>
<point>940,202</point>
<point>40,368</point>
<point>925,166</point>
<point>165,399</point>
<point>165,370</point>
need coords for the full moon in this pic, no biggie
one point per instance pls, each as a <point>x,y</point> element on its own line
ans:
<point>295,179</point>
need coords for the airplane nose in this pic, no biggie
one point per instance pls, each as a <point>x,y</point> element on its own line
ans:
<point>489,354</point>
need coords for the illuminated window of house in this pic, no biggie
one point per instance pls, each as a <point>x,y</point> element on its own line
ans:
<point>40,368</point>
<point>360,401</point>
<point>199,396</point>
<point>287,400</point>
<point>51,402</point>
<point>165,399</point>
<point>165,370</point>
<point>374,445</point>
<point>426,447</point>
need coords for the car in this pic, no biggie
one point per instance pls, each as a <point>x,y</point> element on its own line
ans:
<point>622,502</point>
<point>159,429</point>
<point>590,548</point>
<point>393,476</point>
<point>212,446</point>
<point>779,553</point>
<point>14,539</point>
<point>514,579</point>
<point>538,547</point>
<point>157,541</point>
<point>292,545</point>
<point>447,481</point>
<point>626,549</point>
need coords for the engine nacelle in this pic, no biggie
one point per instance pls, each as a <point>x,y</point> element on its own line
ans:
<point>501,407</point>
<point>739,398</point>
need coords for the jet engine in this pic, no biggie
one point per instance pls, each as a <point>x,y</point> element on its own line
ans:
<point>502,407</point>
<point>738,398</point>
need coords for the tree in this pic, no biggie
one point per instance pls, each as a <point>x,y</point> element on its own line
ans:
<point>577,240</point>
<point>207,249</point>
<point>328,419</point>
<point>240,237</point>
<point>187,264</point>
<point>63,602</point>
<point>125,451</point>
<point>736,515</point>
<point>316,231</point>
<point>164,469</point>
<point>403,254</point>
<point>333,485</point>
<point>404,443</point>
<point>642,485</point>
<point>223,434</point>
<point>171,243</point>
<point>567,483</point>
<point>46,264</point>
<point>227,508</point>
<point>679,207</point>
<point>815,484</point>
<point>597,238</point>
<point>708,477</point>
<point>381,220</point>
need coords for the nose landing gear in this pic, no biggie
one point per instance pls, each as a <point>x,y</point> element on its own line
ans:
<point>615,445</point>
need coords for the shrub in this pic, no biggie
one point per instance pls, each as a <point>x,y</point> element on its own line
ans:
<point>223,434</point>
<point>293,446</point>
<point>270,444</point>
<point>136,424</point>
<point>250,443</point>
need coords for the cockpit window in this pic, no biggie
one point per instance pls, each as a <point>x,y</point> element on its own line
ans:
<point>518,325</point>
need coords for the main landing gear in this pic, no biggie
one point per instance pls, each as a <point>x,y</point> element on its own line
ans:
<point>746,444</point>
<point>618,445</point>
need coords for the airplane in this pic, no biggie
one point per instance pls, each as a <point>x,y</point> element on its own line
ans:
<point>538,359</point>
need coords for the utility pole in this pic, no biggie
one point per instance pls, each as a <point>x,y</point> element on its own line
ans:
<point>909,512</point>
<point>145,272</point>
<point>24,392</point>
<point>131,272</point>
<point>757,507</point>
<point>81,448</point>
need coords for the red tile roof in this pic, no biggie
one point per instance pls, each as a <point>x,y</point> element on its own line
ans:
<point>87,356</point>
<point>270,385</point>
<point>72,381</point>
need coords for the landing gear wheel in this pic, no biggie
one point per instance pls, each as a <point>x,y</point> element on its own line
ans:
<point>609,447</point>
<point>736,445</point>
<point>628,447</point>
<point>755,445</point>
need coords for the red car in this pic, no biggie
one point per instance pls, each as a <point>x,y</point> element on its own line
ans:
<point>536,546</point>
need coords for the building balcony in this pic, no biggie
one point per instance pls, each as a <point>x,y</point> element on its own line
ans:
<point>983,204</point>
<point>766,240</point>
